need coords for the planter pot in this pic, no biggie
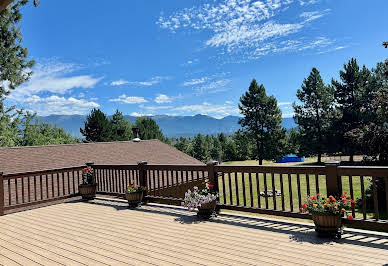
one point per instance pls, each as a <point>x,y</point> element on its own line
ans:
<point>327,224</point>
<point>207,209</point>
<point>134,199</point>
<point>88,192</point>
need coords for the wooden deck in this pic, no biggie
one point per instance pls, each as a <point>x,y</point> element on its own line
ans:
<point>106,232</point>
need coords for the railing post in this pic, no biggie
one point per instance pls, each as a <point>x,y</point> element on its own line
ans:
<point>333,184</point>
<point>142,176</point>
<point>1,194</point>
<point>213,178</point>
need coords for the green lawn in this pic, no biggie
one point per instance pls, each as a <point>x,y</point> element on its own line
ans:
<point>253,200</point>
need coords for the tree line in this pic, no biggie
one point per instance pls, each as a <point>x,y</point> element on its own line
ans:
<point>348,116</point>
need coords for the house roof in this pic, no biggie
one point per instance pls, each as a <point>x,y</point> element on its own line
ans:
<point>35,158</point>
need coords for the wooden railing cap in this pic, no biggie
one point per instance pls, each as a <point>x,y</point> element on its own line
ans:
<point>332,162</point>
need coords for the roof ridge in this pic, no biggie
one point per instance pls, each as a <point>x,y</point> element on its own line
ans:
<point>76,144</point>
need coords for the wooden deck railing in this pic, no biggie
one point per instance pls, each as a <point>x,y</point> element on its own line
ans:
<point>23,190</point>
<point>274,190</point>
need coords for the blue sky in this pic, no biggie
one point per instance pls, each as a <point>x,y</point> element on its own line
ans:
<point>184,57</point>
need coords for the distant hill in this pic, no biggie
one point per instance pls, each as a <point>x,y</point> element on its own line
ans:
<point>172,126</point>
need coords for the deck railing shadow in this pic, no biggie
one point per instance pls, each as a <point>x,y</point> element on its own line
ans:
<point>297,232</point>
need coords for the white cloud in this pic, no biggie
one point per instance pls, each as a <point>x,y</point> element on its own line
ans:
<point>129,99</point>
<point>215,110</point>
<point>58,105</point>
<point>153,81</point>
<point>53,77</point>
<point>195,81</point>
<point>284,103</point>
<point>139,114</point>
<point>162,98</point>
<point>242,26</point>
<point>308,2</point>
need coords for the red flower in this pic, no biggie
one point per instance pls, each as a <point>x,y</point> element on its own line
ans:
<point>350,217</point>
<point>352,201</point>
<point>313,198</point>
<point>304,206</point>
<point>85,170</point>
<point>318,194</point>
<point>210,185</point>
<point>353,205</point>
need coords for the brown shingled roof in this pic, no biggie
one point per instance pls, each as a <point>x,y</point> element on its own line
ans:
<point>35,158</point>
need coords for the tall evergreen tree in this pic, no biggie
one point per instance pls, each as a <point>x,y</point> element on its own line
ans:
<point>314,115</point>
<point>216,150</point>
<point>97,127</point>
<point>14,65</point>
<point>149,129</point>
<point>352,95</point>
<point>120,128</point>
<point>262,121</point>
<point>199,150</point>
<point>243,146</point>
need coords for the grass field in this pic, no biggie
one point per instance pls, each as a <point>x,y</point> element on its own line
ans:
<point>252,199</point>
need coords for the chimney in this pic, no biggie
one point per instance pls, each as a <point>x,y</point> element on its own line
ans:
<point>135,131</point>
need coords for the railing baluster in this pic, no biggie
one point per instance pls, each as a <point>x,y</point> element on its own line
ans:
<point>317,183</point>
<point>154,182</point>
<point>273,190</point>
<point>68,181</point>
<point>158,178</point>
<point>363,197</point>
<point>250,188</point>
<point>47,187</point>
<point>237,189</point>
<point>282,190</point>
<point>299,192</point>
<point>111,185</point>
<point>351,193</point>
<point>9,193</point>
<point>41,186</point>
<point>308,184</point>
<point>22,189</point>
<point>258,190</point>
<point>35,194</point>
<point>52,185</point>
<point>28,189</point>
<point>265,190</point>
<point>375,201</point>
<point>243,185</point>
<point>223,187</point>
<point>290,192</point>
<point>16,190</point>
<point>78,179</point>
<point>162,179</point>
<point>118,181</point>
<point>63,184</point>
<point>230,189</point>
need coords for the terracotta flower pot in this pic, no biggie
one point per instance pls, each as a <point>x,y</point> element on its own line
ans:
<point>327,224</point>
<point>134,199</point>
<point>206,210</point>
<point>88,191</point>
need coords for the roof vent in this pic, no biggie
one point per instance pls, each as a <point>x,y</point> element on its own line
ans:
<point>135,131</point>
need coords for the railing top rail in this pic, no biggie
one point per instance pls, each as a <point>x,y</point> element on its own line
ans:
<point>42,172</point>
<point>272,169</point>
<point>116,166</point>
<point>381,171</point>
<point>176,167</point>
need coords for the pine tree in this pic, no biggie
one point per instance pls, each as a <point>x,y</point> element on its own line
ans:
<point>352,94</point>
<point>97,127</point>
<point>243,146</point>
<point>199,151</point>
<point>14,65</point>
<point>216,151</point>
<point>149,129</point>
<point>262,121</point>
<point>120,128</point>
<point>314,115</point>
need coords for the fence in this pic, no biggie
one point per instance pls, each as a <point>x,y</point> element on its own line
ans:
<point>274,190</point>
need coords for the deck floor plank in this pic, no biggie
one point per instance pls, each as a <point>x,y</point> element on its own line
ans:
<point>106,232</point>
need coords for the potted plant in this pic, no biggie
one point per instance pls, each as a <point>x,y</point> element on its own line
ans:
<point>89,186</point>
<point>327,213</point>
<point>134,194</point>
<point>204,199</point>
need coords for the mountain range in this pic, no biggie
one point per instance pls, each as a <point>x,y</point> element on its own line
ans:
<point>172,126</point>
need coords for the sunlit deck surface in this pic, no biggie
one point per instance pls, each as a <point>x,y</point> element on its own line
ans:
<point>107,232</point>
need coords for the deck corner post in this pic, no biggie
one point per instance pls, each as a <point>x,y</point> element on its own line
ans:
<point>142,175</point>
<point>213,178</point>
<point>1,194</point>
<point>333,183</point>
